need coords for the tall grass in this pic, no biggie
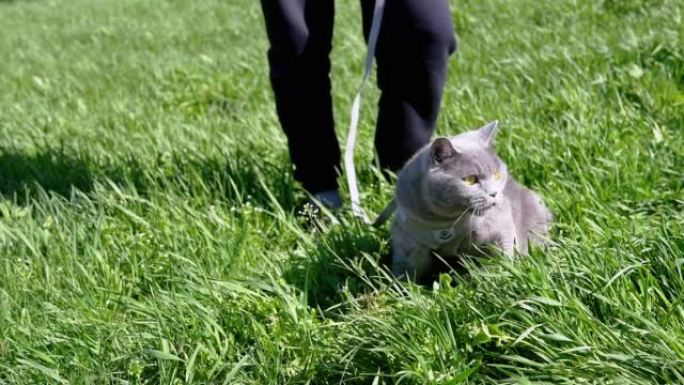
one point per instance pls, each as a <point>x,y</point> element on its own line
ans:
<point>148,231</point>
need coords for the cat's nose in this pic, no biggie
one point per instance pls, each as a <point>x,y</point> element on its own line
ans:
<point>493,195</point>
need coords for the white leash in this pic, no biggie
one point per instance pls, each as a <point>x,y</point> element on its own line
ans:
<point>355,111</point>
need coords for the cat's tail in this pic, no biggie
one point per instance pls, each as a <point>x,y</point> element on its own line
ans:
<point>386,213</point>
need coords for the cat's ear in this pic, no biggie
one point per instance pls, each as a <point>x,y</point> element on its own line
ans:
<point>441,150</point>
<point>488,132</point>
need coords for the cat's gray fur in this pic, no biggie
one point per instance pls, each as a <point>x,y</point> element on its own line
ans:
<point>438,211</point>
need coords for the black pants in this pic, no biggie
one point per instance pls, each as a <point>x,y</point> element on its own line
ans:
<point>415,41</point>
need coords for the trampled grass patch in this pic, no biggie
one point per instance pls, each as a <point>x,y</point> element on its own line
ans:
<point>147,224</point>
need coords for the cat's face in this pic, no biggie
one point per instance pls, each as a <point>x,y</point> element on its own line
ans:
<point>465,173</point>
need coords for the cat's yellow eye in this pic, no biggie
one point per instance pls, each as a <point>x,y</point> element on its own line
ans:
<point>497,175</point>
<point>470,180</point>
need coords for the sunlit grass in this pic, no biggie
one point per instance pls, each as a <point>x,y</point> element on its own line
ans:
<point>147,209</point>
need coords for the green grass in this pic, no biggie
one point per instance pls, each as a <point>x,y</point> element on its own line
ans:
<point>147,226</point>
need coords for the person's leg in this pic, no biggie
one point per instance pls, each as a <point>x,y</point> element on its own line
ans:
<point>300,36</point>
<point>415,41</point>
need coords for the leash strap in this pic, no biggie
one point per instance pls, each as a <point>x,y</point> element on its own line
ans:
<point>349,165</point>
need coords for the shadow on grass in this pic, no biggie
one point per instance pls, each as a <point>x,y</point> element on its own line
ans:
<point>242,176</point>
<point>236,178</point>
<point>347,262</point>
<point>335,265</point>
<point>53,170</point>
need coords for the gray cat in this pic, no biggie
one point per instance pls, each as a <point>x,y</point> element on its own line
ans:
<point>455,196</point>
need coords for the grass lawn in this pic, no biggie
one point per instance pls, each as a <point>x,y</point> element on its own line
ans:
<point>147,224</point>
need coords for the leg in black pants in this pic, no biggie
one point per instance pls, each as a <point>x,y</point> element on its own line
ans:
<point>416,39</point>
<point>300,34</point>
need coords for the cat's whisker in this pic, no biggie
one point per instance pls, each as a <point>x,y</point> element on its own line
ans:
<point>455,222</point>
<point>472,217</point>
